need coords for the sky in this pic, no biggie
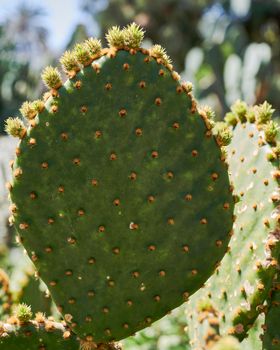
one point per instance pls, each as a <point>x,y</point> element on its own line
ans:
<point>61,18</point>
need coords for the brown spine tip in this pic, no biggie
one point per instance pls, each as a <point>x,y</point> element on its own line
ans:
<point>133,176</point>
<point>188,197</point>
<point>142,84</point>
<point>101,228</point>
<point>94,182</point>
<point>138,132</point>
<point>83,109</point>
<point>91,261</point>
<point>219,243</point>
<point>17,173</point>
<point>158,101</point>
<point>135,274</point>
<point>194,153</point>
<point>64,136</point>
<point>23,226</point>
<point>116,251</point>
<point>113,156</point>
<point>171,221</point>
<point>108,86</point>
<point>214,176</point>
<point>154,154</point>
<point>122,112</point>
<point>44,165</point>
<point>126,66</point>
<point>116,202</point>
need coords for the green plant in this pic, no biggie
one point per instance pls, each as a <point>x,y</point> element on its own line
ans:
<point>121,198</point>
<point>241,284</point>
<point>113,172</point>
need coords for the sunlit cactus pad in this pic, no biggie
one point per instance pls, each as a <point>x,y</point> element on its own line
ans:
<point>240,286</point>
<point>121,196</point>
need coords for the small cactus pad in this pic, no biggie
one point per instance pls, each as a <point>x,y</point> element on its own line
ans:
<point>271,337</point>
<point>5,295</point>
<point>42,333</point>
<point>34,335</point>
<point>122,199</point>
<point>241,284</point>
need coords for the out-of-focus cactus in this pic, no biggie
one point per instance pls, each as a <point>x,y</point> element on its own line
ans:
<point>240,285</point>
<point>5,295</point>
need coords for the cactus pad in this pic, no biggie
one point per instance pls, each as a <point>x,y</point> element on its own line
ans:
<point>5,295</point>
<point>271,337</point>
<point>34,335</point>
<point>121,197</point>
<point>241,284</point>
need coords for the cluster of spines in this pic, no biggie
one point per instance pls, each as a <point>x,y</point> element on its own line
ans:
<point>84,54</point>
<point>260,115</point>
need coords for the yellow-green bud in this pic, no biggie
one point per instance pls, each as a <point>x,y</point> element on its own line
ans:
<point>251,114</point>
<point>15,127</point>
<point>69,62</point>
<point>82,54</point>
<point>23,313</point>
<point>231,119</point>
<point>38,106</point>
<point>27,110</point>
<point>270,131</point>
<point>159,52</point>
<point>94,46</point>
<point>264,112</point>
<point>222,133</point>
<point>133,35</point>
<point>239,108</point>
<point>51,77</point>
<point>115,37</point>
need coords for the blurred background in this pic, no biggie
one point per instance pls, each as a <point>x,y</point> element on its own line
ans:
<point>229,49</point>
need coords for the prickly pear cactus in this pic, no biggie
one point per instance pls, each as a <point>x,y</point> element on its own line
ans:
<point>255,335</point>
<point>34,293</point>
<point>241,284</point>
<point>120,194</point>
<point>22,333</point>
<point>5,295</point>
<point>205,334</point>
<point>271,337</point>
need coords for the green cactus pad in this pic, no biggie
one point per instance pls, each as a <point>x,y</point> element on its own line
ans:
<point>271,337</point>
<point>34,293</point>
<point>241,284</point>
<point>122,198</point>
<point>33,335</point>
